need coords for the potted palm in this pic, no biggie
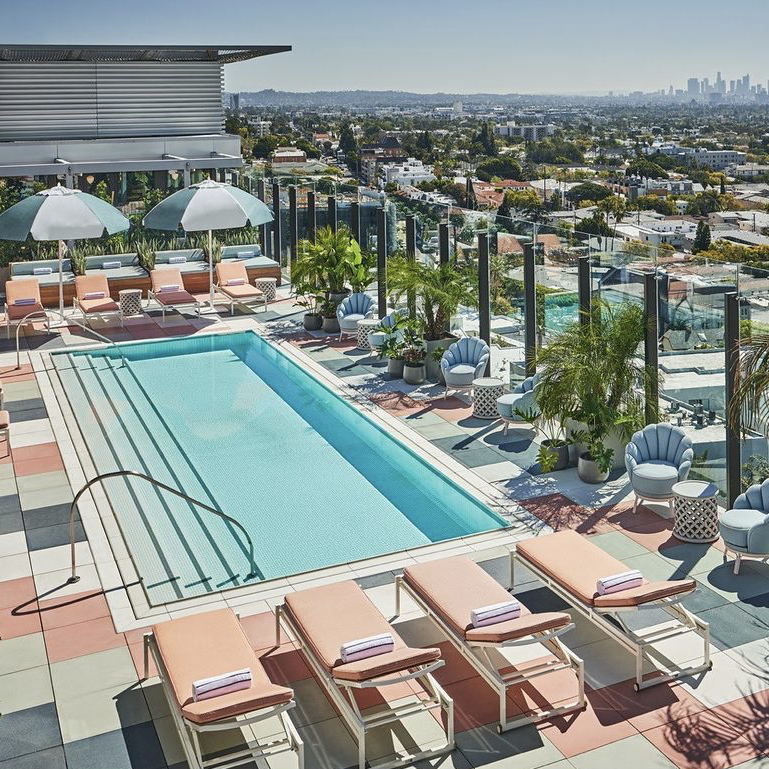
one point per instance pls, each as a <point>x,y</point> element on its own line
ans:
<point>332,262</point>
<point>589,376</point>
<point>439,291</point>
<point>413,357</point>
<point>392,350</point>
<point>553,453</point>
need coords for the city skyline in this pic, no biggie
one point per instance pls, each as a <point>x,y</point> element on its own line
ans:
<point>443,47</point>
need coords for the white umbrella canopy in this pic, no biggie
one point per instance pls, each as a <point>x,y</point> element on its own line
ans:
<point>61,213</point>
<point>208,206</point>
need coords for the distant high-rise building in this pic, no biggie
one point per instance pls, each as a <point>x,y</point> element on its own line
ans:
<point>693,86</point>
<point>732,86</point>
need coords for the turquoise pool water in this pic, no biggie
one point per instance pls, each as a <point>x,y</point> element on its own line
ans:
<point>234,422</point>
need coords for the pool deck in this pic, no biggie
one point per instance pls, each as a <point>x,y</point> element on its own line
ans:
<point>70,659</point>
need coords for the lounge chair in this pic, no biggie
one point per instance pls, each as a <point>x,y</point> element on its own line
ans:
<point>745,527</point>
<point>464,361</point>
<point>353,308</point>
<point>232,283</point>
<point>92,298</point>
<point>449,589</point>
<point>523,398</point>
<point>213,643</point>
<point>169,292</point>
<point>22,299</point>
<point>324,618</point>
<point>571,565</point>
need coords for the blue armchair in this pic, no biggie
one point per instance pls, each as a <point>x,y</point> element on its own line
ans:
<point>523,397</point>
<point>353,308</point>
<point>377,337</point>
<point>656,458</point>
<point>464,361</point>
<point>745,528</point>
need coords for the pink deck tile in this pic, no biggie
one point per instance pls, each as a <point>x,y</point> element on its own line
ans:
<point>24,373</point>
<point>456,667</point>
<point>397,403</point>
<point>560,512</point>
<point>544,691</point>
<point>39,458</point>
<point>73,609</point>
<point>260,630</point>
<point>137,655</point>
<point>475,704</point>
<point>599,724</point>
<point>19,620</point>
<point>89,637</point>
<point>453,409</point>
<point>284,665</point>
<point>749,716</point>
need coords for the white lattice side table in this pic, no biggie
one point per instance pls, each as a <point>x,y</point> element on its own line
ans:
<point>696,511</point>
<point>486,390</point>
<point>268,286</point>
<point>365,327</point>
<point>130,301</point>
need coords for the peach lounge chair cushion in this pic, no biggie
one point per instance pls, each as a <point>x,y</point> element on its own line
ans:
<point>23,288</point>
<point>577,564</point>
<point>98,305</point>
<point>209,644</point>
<point>453,587</point>
<point>86,289</point>
<point>242,292</point>
<point>17,312</point>
<point>331,615</point>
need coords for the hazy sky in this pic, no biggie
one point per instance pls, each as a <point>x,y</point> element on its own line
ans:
<point>543,46</point>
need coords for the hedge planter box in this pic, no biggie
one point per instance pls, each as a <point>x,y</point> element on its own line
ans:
<point>395,367</point>
<point>312,322</point>
<point>414,375</point>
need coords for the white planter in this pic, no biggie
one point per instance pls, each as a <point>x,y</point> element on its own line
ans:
<point>589,471</point>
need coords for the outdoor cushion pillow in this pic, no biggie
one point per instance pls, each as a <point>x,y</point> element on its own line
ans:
<point>93,295</point>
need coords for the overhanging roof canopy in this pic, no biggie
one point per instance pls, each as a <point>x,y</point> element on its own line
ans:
<point>226,54</point>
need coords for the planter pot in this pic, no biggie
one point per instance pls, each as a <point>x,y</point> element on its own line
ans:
<point>432,366</point>
<point>395,367</point>
<point>331,325</point>
<point>562,453</point>
<point>312,322</point>
<point>611,441</point>
<point>414,374</point>
<point>589,471</point>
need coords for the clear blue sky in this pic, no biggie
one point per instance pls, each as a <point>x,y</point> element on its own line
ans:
<point>545,46</point>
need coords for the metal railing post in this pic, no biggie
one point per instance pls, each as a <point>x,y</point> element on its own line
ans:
<point>411,255</point>
<point>355,221</point>
<point>584,292</point>
<point>651,348</point>
<point>733,426</point>
<point>443,243</point>
<point>381,260</point>
<point>293,225</point>
<point>312,225</point>
<point>332,213</point>
<point>530,309</point>
<point>277,237</point>
<point>484,298</point>
<point>134,474</point>
<point>263,239</point>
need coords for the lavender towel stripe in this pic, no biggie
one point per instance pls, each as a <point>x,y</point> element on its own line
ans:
<point>616,582</point>
<point>506,617</point>
<point>214,686</point>
<point>236,687</point>
<point>493,610</point>
<point>367,647</point>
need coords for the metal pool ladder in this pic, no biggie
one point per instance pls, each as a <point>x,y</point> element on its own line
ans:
<point>134,474</point>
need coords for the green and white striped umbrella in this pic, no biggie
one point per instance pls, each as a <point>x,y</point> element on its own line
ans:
<point>209,206</point>
<point>61,214</point>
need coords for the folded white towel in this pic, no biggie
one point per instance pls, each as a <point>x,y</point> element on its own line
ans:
<point>497,612</point>
<point>245,254</point>
<point>25,302</point>
<point>363,648</point>
<point>177,259</point>
<point>94,295</point>
<point>111,265</point>
<point>169,288</point>
<point>206,688</point>
<point>618,582</point>
<point>236,282</point>
<point>42,270</point>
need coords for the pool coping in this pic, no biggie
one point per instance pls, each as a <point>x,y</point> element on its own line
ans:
<point>112,559</point>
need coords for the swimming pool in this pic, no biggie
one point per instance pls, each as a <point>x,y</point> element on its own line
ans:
<point>234,422</point>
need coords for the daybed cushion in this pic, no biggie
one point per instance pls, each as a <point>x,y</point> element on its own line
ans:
<point>25,270</point>
<point>209,644</point>
<point>243,291</point>
<point>175,297</point>
<point>453,587</point>
<point>576,564</point>
<point>330,615</point>
<point>655,478</point>
<point>17,312</point>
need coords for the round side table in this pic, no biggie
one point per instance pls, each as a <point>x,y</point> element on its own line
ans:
<point>268,286</point>
<point>130,301</point>
<point>365,327</point>
<point>486,390</point>
<point>696,511</point>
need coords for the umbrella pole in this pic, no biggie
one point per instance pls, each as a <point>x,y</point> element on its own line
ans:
<point>61,279</point>
<point>211,268</point>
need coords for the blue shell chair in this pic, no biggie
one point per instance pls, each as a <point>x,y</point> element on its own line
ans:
<point>522,397</point>
<point>353,308</point>
<point>656,458</point>
<point>464,361</point>
<point>377,337</point>
<point>745,528</point>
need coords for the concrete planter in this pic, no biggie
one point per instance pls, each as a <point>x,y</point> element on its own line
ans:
<point>414,375</point>
<point>589,471</point>
<point>395,367</point>
<point>312,322</point>
<point>331,325</point>
<point>562,452</point>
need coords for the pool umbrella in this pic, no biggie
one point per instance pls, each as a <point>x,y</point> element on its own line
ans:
<point>210,206</point>
<point>61,214</point>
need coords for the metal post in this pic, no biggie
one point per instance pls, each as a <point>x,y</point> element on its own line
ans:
<point>355,221</point>
<point>484,297</point>
<point>443,243</point>
<point>651,347</point>
<point>530,309</point>
<point>584,291</point>
<point>332,214</point>
<point>381,260</point>
<point>733,426</point>
<point>411,255</point>
<point>277,248</point>
<point>311,223</point>
<point>293,224</point>
<point>263,239</point>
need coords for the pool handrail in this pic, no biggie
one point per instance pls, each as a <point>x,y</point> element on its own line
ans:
<point>134,474</point>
